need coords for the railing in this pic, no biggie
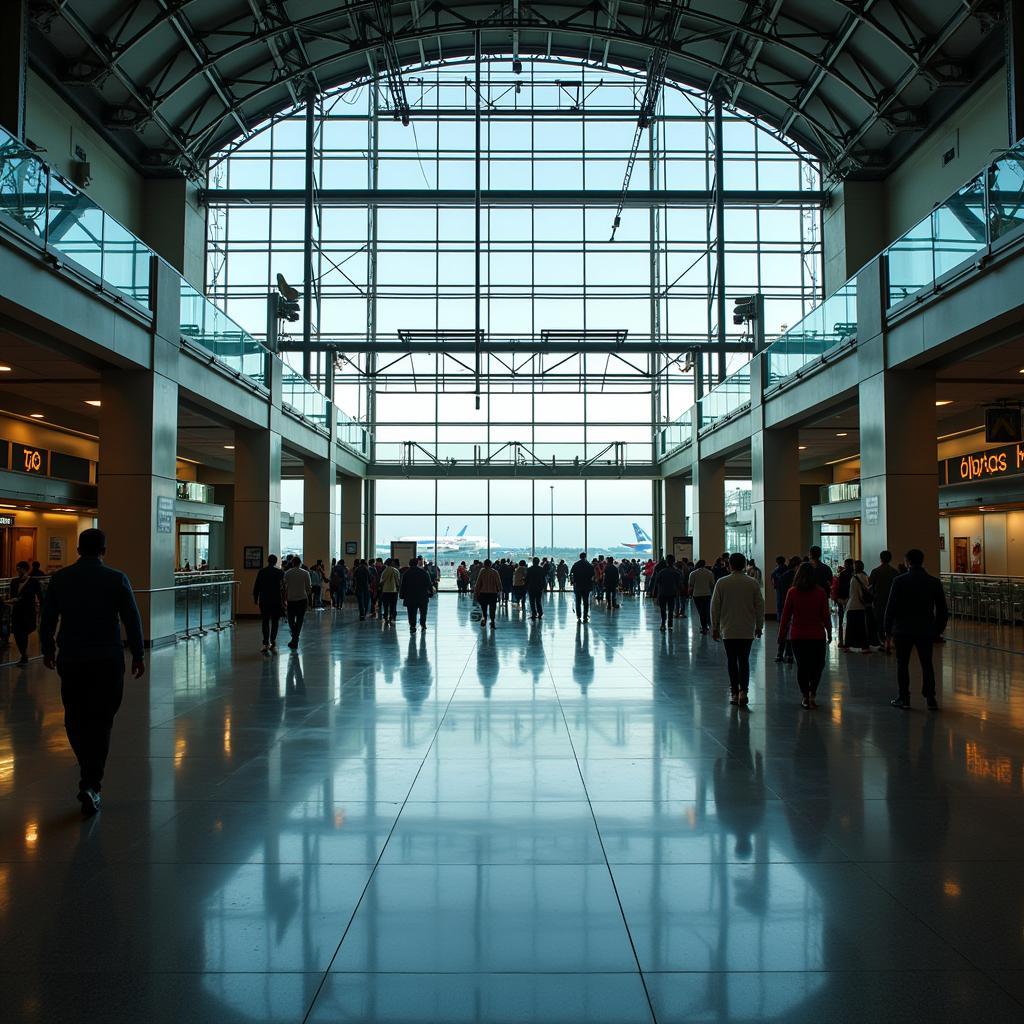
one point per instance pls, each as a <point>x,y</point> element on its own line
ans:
<point>731,395</point>
<point>676,434</point>
<point>51,213</point>
<point>353,435</point>
<point>513,453</point>
<point>997,600</point>
<point>847,491</point>
<point>832,323</point>
<point>302,397</point>
<point>188,577</point>
<point>200,607</point>
<point>979,213</point>
<point>5,586</point>
<point>189,490</point>
<point>201,321</point>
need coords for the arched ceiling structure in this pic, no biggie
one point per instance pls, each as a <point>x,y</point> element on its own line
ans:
<point>854,81</point>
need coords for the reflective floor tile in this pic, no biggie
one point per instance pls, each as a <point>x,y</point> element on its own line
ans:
<point>511,779</point>
<point>503,832</point>
<point>492,918</point>
<point>839,997</point>
<point>767,916</point>
<point>482,999</point>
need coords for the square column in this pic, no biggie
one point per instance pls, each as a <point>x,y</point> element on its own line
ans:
<point>256,511</point>
<point>136,486</point>
<point>775,498</point>
<point>675,511</point>
<point>352,517</point>
<point>899,487</point>
<point>708,515</point>
<point>321,526</point>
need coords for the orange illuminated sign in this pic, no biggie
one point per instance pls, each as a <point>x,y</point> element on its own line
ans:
<point>1007,460</point>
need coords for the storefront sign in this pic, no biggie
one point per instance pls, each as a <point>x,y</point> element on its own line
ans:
<point>25,459</point>
<point>56,550</point>
<point>6,521</point>
<point>1007,460</point>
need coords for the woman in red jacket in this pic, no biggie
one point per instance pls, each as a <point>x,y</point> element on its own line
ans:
<point>807,625</point>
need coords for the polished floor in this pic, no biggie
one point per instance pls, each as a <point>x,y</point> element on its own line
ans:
<point>544,823</point>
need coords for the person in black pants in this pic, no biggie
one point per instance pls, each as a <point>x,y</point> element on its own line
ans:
<point>92,602</point>
<point>536,584</point>
<point>25,596</point>
<point>611,582</point>
<point>667,581</point>
<point>582,576</point>
<point>415,593</point>
<point>915,615</point>
<point>267,592</point>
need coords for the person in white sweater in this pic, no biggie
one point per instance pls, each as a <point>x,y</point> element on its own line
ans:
<point>737,617</point>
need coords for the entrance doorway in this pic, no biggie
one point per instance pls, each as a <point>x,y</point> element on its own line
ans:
<point>17,544</point>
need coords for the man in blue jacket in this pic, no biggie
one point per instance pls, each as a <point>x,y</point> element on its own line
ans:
<point>914,616</point>
<point>91,601</point>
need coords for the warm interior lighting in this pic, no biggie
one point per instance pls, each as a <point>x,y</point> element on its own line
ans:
<point>38,415</point>
<point>943,401</point>
<point>841,433</point>
<point>801,447</point>
<point>95,402</point>
<point>7,369</point>
<point>31,835</point>
<point>229,447</point>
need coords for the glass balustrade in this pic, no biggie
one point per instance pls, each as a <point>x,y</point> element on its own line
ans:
<point>51,212</point>
<point>303,397</point>
<point>208,325</point>
<point>727,398</point>
<point>512,453</point>
<point>676,434</point>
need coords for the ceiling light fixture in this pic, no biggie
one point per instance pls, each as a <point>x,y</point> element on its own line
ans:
<point>801,447</point>
<point>95,402</point>
<point>229,447</point>
<point>7,369</point>
<point>38,415</point>
<point>841,433</point>
<point>943,401</point>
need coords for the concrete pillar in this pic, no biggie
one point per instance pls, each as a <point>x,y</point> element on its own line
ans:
<point>675,511</point>
<point>707,518</point>
<point>256,509</point>
<point>775,498</point>
<point>13,66</point>
<point>138,445</point>
<point>321,523</point>
<point>352,518</point>
<point>174,226</point>
<point>899,486</point>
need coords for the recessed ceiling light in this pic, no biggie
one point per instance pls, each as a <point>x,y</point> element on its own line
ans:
<point>7,369</point>
<point>93,402</point>
<point>229,447</point>
<point>38,415</point>
<point>801,447</point>
<point>943,401</point>
<point>841,433</point>
<point>8,506</point>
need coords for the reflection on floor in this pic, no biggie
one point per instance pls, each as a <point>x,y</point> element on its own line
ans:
<point>544,823</point>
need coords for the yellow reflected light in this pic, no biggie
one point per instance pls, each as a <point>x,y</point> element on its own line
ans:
<point>984,767</point>
<point>951,888</point>
<point>180,746</point>
<point>31,835</point>
<point>227,734</point>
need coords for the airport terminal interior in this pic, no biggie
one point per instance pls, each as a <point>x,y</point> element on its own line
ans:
<point>344,281</point>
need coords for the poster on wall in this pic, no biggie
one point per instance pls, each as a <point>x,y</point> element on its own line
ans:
<point>252,556</point>
<point>351,547</point>
<point>977,555</point>
<point>960,555</point>
<point>56,550</point>
<point>403,550</point>
<point>682,547</point>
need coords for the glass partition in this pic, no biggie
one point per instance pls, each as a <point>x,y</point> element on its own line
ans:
<point>731,395</point>
<point>676,434</point>
<point>211,327</point>
<point>303,397</point>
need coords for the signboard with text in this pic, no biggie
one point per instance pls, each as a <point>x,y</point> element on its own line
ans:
<point>992,464</point>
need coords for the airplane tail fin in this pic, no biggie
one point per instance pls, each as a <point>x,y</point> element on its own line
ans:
<point>641,534</point>
<point>462,532</point>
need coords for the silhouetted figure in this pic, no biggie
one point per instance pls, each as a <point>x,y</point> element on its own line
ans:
<point>536,584</point>
<point>737,617</point>
<point>915,615</point>
<point>268,593</point>
<point>91,602</point>
<point>25,597</point>
<point>415,592</point>
<point>582,576</point>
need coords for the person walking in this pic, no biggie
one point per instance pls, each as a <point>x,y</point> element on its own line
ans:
<point>390,582</point>
<point>536,585</point>
<point>519,585</point>
<point>562,572</point>
<point>737,618</point>
<point>915,615</point>
<point>805,624</point>
<point>667,581</point>
<point>361,586</point>
<point>880,582</point>
<point>506,571</point>
<point>702,583</point>
<point>611,583</point>
<point>858,607</point>
<point>316,582</point>
<point>90,601</point>
<point>25,597</point>
<point>298,592</point>
<point>267,592</point>
<point>822,573</point>
<point>485,592</point>
<point>841,598</point>
<point>582,577</point>
<point>415,590</point>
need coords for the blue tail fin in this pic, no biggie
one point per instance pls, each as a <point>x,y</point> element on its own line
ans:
<point>462,532</point>
<point>641,534</point>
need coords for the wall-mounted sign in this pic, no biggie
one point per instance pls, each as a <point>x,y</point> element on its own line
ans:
<point>252,556</point>
<point>27,459</point>
<point>871,508</point>
<point>164,514</point>
<point>1007,460</point>
<point>6,521</point>
<point>1002,425</point>
<point>56,551</point>
<point>403,550</point>
<point>351,547</point>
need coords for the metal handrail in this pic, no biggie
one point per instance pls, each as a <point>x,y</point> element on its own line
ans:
<point>201,629</point>
<point>998,600</point>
